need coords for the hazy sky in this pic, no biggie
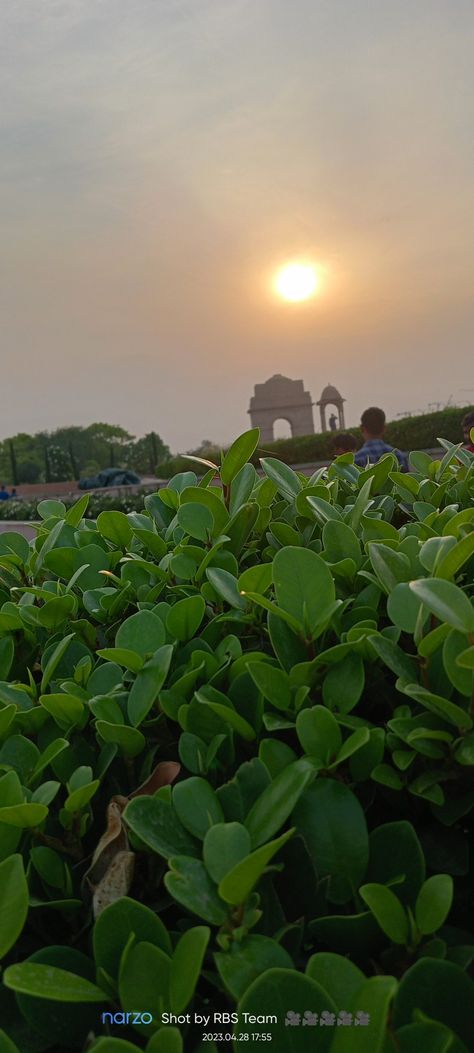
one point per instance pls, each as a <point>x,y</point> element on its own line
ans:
<point>161,158</point>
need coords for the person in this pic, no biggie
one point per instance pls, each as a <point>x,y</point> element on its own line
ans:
<point>343,443</point>
<point>467,424</point>
<point>333,422</point>
<point>4,495</point>
<point>14,495</point>
<point>372,425</point>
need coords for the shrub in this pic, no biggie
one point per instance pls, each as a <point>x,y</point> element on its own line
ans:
<point>23,510</point>
<point>236,764</point>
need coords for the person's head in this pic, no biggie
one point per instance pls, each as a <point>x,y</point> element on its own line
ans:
<point>343,443</point>
<point>372,423</point>
<point>467,423</point>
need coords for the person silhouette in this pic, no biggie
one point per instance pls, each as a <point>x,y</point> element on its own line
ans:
<point>372,424</point>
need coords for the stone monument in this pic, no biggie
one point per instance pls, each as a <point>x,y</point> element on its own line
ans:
<point>281,399</point>
<point>330,396</point>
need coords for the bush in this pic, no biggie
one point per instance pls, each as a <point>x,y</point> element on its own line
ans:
<point>236,764</point>
<point>23,510</point>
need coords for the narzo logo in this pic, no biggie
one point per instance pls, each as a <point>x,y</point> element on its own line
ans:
<point>127,1018</point>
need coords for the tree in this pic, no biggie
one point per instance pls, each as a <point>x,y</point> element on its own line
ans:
<point>146,453</point>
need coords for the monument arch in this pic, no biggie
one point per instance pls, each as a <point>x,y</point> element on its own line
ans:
<point>280,398</point>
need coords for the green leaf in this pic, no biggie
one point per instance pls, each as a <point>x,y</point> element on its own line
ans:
<point>242,487</point>
<point>374,998</point>
<point>339,976</point>
<point>277,612</point>
<point>188,883</point>
<point>79,799</point>
<point>142,633</point>
<point>285,479</point>
<point>461,678</point>
<point>67,710</point>
<point>156,823</point>
<point>153,542</point>
<point>54,660</point>
<point>439,990</point>
<point>24,816</point>
<point>114,1045</point>
<point>238,454</point>
<point>122,656</point>
<point>344,683</point>
<point>403,607</point>
<point>391,567</point>
<point>13,902</point>
<point>457,556</point>
<point>256,579</point>
<point>466,658</point>
<point>184,618</point>
<point>434,903</point>
<point>76,513</point>
<point>115,527</point>
<point>388,911</point>
<point>332,824</point>
<point>169,1040</point>
<point>144,981</point>
<point>277,801</point>
<point>449,711</point>
<point>56,985</point>
<point>272,682</point>
<point>7,651</point>
<point>186,966</point>
<point>395,851</point>
<point>226,586</point>
<point>429,1037</point>
<point>448,602</point>
<point>196,520</point>
<point>352,744</point>
<point>6,1044</point>
<point>304,586</point>
<point>228,715</point>
<point>129,740</point>
<point>197,806</point>
<point>319,734</point>
<point>340,542</point>
<point>113,927</point>
<point>237,885</point>
<point>244,962</point>
<point>283,992</point>
<point>148,684</point>
<point>225,845</point>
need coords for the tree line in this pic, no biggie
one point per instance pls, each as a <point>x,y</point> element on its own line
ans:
<point>74,452</point>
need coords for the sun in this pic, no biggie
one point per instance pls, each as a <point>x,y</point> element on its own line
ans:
<point>296,282</point>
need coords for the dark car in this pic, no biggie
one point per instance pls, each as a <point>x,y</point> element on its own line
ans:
<point>110,477</point>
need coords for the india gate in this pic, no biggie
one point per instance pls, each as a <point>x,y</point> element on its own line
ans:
<point>280,398</point>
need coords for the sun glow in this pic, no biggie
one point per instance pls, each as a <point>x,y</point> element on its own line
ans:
<point>296,282</point>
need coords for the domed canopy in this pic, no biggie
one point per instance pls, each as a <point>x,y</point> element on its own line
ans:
<point>330,394</point>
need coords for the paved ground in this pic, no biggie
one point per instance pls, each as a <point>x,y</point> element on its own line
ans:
<point>27,529</point>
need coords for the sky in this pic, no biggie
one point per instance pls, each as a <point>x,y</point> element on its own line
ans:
<point>160,159</point>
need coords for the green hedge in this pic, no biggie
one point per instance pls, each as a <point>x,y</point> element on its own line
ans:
<point>410,433</point>
<point>236,765</point>
<point>22,511</point>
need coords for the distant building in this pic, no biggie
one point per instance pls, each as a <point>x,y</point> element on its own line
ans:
<point>281,399</point>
